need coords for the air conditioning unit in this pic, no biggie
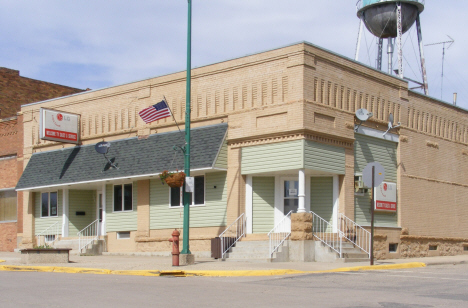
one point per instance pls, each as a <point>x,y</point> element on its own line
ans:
<point>359,186</point>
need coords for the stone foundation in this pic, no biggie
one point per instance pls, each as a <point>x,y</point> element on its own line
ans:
<point>425,246</point>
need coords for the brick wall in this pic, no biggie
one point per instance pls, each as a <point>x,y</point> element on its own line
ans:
<point>298,91</point>
<point>16,90</point>
<point>7,236</point>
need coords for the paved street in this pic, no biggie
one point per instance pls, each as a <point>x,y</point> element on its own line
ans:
<point>432,286</point>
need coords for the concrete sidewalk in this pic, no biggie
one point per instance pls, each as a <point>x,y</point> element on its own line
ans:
<point>157,265</point>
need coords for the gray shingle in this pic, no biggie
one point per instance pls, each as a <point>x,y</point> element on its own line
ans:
<point>134,157</point>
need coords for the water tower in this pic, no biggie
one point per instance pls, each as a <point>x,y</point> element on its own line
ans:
<point>390,19</point>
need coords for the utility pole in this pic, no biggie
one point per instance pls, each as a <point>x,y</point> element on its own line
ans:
<point>186,195</point>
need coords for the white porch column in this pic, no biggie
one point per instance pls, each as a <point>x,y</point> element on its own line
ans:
<point>248,203</point>
<point>336,202</point>
<point>301,194</point>
<point>65,210</point>
<point>104,203</point>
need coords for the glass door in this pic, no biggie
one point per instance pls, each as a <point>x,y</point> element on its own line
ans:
<point>290,196</point>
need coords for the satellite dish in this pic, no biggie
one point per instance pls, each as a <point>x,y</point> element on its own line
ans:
<point>362,115</point>
<point>390,124</point>
<point>102,147</point>
<point>390,121</point>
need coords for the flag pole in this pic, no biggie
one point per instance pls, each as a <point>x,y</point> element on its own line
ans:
<point>186,196</point>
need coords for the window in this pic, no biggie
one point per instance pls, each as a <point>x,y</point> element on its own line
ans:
<point>198,199</point>
<point>123,199</point>
<point>49,204</point>
<point>123,235</point>
<point>8,205</point>
<point>392,247</point>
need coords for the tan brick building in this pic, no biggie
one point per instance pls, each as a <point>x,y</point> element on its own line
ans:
<point>15,91</point>
<point>291,144</point>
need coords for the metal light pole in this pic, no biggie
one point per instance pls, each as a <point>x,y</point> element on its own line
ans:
<point>186,195</point>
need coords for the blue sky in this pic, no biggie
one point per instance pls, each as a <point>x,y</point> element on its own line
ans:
<point>96,44</point>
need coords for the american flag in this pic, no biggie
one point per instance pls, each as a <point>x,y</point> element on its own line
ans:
<point>155,112</point>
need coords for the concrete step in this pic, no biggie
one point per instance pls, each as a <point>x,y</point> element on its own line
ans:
<point>249,244</point>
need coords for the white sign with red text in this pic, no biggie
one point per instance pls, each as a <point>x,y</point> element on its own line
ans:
<point>385,197</point>
<point>59,126</point>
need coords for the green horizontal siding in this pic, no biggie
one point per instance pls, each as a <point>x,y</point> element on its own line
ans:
<point>120,221</point>
<point>212,214</point>
<point>321,197</point>
<point>222,161</point>
<point>43,223</point>
<point>272,157</point>
<point>369,149</point>
<point>323,157</point>
<point>263,204</point>
<point>82,201</point>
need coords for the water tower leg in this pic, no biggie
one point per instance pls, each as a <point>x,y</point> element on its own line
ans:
<point>379,54</point>
<point>390,55</point>
<point>358,44</point>
<point>421,55</point>
<point>399,43</point>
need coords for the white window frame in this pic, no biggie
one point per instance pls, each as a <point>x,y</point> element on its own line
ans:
<point>193,197</point>
<point>123,192</point>
<point>48,206</point>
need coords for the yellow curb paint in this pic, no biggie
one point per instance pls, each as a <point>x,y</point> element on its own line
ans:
<point>2,261</point>
<point>137,273</point>
<point>243,273</point>
<point>208,273</point>
<point>374,267</point>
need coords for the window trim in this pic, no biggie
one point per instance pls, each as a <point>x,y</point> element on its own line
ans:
<point>48,206</point>
<point>123,205</point>
<point>181,205</point>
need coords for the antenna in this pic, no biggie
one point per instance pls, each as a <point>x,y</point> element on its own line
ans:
<point>390,124</point>
<point>443,58</point>
<point>362,115</point>
<point>102,148</point>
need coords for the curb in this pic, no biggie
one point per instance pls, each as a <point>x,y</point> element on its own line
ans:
<point>2,261</point>
<point>207,273</point>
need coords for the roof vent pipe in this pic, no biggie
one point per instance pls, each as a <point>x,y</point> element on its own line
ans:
<point>454,99</point>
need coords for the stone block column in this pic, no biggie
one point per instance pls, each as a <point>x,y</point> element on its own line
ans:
<point>301,245</point>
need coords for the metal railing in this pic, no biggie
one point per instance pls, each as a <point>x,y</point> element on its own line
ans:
<point>354,233</point>
<point>49,235</point>
<point>279,233</point>
<point>88,235</point>
<point>232,234</point>
<point>323,231</point>
<point>361,3</point>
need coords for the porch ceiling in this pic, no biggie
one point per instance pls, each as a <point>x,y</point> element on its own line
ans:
<point>83,168</point>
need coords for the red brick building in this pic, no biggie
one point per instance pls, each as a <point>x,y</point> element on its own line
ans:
<point>15,91</point>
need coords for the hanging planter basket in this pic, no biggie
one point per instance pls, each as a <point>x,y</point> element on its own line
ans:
<point>174,180</point>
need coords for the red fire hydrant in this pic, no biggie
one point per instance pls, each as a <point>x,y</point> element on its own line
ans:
<point>175,247</point>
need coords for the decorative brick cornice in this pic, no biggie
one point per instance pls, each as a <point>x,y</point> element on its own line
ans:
<point>291,137</point>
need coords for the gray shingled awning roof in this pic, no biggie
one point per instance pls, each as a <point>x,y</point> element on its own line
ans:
<point>135,158</point>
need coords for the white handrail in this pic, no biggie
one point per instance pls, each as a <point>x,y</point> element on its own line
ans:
<point>88,235</point>
<point>354,233</point>
<point>228,241</point>
<point>279,233</point>
<point>321,230</point>
<point>53,230</point>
